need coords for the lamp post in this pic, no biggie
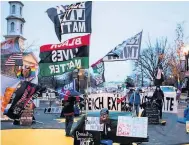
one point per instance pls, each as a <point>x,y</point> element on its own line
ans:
<point>186,53</point>
<point>76,74</point>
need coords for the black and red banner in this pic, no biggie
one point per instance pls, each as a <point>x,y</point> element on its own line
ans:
<point>23,98</point>
<point>75,47</point>
<point>68,44</point>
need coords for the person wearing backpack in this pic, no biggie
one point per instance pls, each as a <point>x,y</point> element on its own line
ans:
<point>159,97</point>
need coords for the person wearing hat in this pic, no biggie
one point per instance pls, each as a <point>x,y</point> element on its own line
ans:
<point>68,110</point>
<point>104,119</point>
<point>135,100</point>
<point>159,97</point>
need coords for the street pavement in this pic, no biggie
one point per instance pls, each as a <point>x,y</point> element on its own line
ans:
<point>171,134</point>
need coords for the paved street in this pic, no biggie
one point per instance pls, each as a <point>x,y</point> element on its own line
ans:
<point>160,135</point>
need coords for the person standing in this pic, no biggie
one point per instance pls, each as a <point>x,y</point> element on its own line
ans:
<point>159,97</point>
<point>69,102</point>
<point>135,100</point>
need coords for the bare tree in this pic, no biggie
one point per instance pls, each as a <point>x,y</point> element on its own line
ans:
<point>176,53</point>
<point>150,57</point>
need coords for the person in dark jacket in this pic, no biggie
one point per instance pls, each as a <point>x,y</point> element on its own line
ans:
<point>104,119</point>
<point>159,97</point>
<point>69,102</point>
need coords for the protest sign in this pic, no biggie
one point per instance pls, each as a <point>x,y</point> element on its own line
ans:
<point>93,124</point>
<point>132,126</point>
<point>83,138</point>
<point>26,117</point>
<point>170,104</point>
<point>153,115</point>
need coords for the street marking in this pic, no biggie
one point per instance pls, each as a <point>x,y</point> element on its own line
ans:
<point>63,120</point>
<point>35,137</point>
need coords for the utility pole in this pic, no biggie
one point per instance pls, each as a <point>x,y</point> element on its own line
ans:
<point>142,76</point>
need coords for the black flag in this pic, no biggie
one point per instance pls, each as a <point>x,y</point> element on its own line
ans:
<point>53,15</point>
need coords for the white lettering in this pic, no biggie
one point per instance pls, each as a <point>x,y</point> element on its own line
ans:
<point>66,24</point>
<point>57,69</point>
<point>78,41</point>
<point>71,65</point>
<point>72,42</point>
<point>78,63</point>
<point>63,67</point>
<point>66,43</point>
<point>75,28</point>
<point>59,55</point>
<point>82,27</point>
<point>51,67</point>
<point>53,46</point>
<point>54,58</point>
<point>66,54</point>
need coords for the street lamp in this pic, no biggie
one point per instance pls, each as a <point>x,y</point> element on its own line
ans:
<point>186,53</point>
<point>76,74</point>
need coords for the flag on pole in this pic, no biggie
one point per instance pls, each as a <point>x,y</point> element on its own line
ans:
<point>74,18</point>
<point>14,59</point>
<point>127,50</point>
<point>98,69</point>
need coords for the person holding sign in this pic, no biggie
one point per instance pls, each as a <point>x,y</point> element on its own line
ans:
<point>135,100</point>
<point>104,119</point>
<point>159,97</point>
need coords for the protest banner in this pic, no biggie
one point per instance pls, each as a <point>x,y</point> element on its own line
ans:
<point>96,102</point>
<point>170,104</point>
<point>73,18</point>
<point>128,50</point>
<point>132,126</point>
<point>58,68</point>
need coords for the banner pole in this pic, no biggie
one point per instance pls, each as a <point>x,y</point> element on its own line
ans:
<point>88,82</point>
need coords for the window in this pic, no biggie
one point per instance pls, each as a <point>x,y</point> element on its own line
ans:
<point>13,9</point>
<point>12,26</point>
<point>21,27</point>
<point>20,10</point>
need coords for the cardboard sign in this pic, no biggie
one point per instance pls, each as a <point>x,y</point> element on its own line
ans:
<point>83,138</point>
<point>26,117</point>
<point>93,124</point>
<point>153,115</point>
<point>171,103</point>
<point>96,102</point>
<point>132,126</point>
